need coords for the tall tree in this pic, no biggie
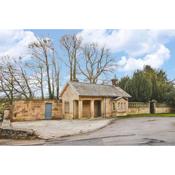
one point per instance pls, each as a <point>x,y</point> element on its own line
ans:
<point>71,44</point>
<point>43,54</point>
<point>94,62</point>
<point>148,84</point>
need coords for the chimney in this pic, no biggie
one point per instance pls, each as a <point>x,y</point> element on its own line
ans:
<point>114,82</point>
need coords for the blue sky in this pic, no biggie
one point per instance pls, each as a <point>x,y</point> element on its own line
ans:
<point>168,65</point>
<point>131,49</point>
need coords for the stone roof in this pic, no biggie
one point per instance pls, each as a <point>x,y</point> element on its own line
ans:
<point>86,89</point>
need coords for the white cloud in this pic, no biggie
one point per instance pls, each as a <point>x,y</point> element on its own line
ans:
<point>15,42</point>
<point>155,59</point>
<point>139,47</point>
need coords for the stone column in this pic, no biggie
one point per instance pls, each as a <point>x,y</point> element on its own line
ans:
<point>102,107</point>
<point>80,109</point>
<point>92,108</point>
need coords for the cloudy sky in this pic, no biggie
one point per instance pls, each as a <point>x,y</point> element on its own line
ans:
<point>132,49</point>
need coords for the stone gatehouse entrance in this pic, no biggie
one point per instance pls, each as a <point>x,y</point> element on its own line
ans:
<point>86,108</point>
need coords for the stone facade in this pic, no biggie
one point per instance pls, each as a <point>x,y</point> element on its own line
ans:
<point>69,97</point>
<point>120,108</point>
<point>35,110</point>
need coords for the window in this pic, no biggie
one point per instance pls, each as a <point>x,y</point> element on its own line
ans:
<point>113,106</point>
<point>124,106</point>
<point>66,107</point>
<point>118,105</point>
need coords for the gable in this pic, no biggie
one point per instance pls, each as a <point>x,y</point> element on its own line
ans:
<point>68,91</point>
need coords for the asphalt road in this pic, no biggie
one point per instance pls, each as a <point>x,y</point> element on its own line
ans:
<point>129,131</point>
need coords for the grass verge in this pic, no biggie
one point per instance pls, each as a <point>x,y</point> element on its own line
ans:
<point>148,115</point>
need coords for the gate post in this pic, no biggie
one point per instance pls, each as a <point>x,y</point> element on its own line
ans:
<point>153,106</point>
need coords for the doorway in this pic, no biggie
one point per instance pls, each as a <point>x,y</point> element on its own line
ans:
<point>48,111</point>
<point>86,109</point>
<point>75,108</point>
<point>97,108</point>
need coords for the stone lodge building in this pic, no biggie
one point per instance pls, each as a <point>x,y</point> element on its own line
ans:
<point>83,100</point>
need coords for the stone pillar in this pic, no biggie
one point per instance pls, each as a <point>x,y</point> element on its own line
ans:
<point>80,109</point>
<point>152,106</point>
<point>92,108</point>
<point>102,108</point>
<point>6,124</point>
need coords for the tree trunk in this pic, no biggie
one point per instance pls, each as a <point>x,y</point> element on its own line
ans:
<point>75,65</point>
<point>48,76</point>
<point>71,72</point>
<point>42,91</point>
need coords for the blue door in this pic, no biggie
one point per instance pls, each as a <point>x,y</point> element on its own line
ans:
<point>48,111</point>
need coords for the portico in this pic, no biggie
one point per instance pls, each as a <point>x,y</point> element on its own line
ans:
<point>89,108</point>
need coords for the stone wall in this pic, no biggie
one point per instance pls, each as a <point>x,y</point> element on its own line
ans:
<point>144,108</point>
<point>17,134</point>
<point>34,110</point>
<point>138,108</point>
<point>164,108</point>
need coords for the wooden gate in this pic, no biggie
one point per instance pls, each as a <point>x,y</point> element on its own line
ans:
<point>48,111</point>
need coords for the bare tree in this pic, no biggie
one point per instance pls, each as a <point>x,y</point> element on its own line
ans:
<point>71,45</point>
<point>14,81</point>
<point>6,84</point>
<point>56,75</point>
<point>37,68</point>
<point>43,54</point>
<point>94,62</point>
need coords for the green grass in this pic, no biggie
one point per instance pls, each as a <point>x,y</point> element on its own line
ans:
<point>149,115</point>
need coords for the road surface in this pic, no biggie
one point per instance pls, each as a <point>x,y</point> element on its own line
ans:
<point>129,131</point>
